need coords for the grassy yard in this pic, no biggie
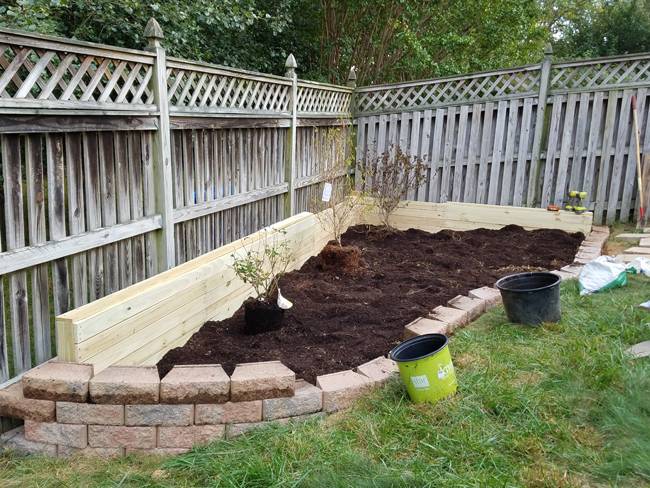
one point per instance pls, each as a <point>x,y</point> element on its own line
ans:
<point>554,406</point>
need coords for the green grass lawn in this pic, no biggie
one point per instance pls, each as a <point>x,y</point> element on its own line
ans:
<point>555,406</point>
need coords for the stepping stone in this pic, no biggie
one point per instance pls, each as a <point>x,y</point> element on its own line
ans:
<point>640,350</point>
<point>629,237</point>
<point>638,250</point>
<point>571,269</point>
<point>564,275</point>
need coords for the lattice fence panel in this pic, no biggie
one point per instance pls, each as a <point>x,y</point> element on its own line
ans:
<point>436,93</point>
<point>29,73</point>
<point>316,99</point>
<point>189,88</point>
<point>600,74</point>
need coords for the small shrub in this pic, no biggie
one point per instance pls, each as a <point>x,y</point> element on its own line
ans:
<point>389,177</point>
<point>344,201</point>
<point>263,268</point>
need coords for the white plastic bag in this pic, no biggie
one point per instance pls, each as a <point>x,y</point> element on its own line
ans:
<point>640,265</point>
<point>601,274</point>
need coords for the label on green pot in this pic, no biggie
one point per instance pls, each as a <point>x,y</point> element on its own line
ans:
<point>420,382</point>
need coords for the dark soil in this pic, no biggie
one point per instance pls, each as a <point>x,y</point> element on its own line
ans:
<point>261,316</point>
<point>340,320</point>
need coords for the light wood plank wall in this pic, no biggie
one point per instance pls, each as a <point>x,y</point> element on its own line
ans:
<point>116,164</point>
<point>484,138</point>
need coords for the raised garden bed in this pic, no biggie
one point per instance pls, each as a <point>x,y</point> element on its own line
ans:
<point>343,318</point>
<point>139,324</point>
<point>108,407</point>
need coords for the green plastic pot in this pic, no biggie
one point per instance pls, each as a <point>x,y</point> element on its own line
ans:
<point>425,367</point>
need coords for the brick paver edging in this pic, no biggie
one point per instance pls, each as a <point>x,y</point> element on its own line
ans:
<point>69,410</point>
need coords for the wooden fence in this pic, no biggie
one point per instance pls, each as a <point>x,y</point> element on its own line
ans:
<point>117,164</point>
<point>522,136</point>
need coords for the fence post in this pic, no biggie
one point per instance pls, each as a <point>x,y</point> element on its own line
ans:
<point>541,127</point>
<point>161,153</point>
<point>290,165</point>
<point>352,83</point>
<point>354,137</point>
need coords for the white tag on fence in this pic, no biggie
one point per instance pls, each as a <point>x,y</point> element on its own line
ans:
<point>327,192</point>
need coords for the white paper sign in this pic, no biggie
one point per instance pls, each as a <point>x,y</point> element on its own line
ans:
<point>327,192</point>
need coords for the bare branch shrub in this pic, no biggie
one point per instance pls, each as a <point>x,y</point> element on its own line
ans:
<point>344,201</point>
<point>389,177</point>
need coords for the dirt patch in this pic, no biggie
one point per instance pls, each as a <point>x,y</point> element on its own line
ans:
<point>340,320</point>
<point>343,259</point>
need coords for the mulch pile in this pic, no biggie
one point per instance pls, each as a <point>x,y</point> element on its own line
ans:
<point>341,319</point>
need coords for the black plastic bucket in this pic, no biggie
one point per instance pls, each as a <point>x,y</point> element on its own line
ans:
<point>531,298</point>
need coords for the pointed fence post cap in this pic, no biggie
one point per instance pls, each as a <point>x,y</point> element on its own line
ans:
<point>291,66</point>
<point>352,77</point>
<point>291,62</point>
<point>548,49</point>
<point>153,30</point>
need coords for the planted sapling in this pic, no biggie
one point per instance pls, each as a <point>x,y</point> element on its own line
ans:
<point>338,203</point>
<point>262,269</point>
<point>390,177</point>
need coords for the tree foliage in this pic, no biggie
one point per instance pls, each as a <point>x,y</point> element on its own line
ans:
<point>387,40</point>
<point>239,33</point>
<point>396,40</point>
<point>608,28</point>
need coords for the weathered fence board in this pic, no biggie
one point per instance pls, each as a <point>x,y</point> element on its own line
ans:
<point>117,164</point>
<point>490,141</point>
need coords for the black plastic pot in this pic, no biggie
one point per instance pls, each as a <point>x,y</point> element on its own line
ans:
<point>261,316</point>
<point>531,298</point>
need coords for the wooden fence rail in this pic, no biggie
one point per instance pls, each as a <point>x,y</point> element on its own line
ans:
<point>117,164</point>
<point>521,136</point>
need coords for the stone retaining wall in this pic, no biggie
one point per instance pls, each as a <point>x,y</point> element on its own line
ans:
<point>69,410</point>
